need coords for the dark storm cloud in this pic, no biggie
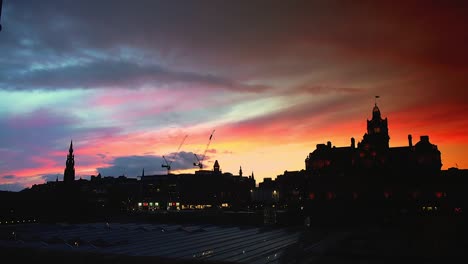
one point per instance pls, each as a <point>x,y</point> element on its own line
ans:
<point>238,39</point>
<point>114,74</point>
<point>132,166</point>
<point>234,25</point>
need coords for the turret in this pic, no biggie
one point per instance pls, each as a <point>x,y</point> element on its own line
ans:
<point>216,167</point>
<point>377,130</point>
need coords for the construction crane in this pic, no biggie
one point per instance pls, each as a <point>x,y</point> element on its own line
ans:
<point>199,162</point>
<point>168,163</point>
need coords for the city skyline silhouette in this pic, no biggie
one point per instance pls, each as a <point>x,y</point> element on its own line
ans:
<point>127,94</point>
<point>262,131</point>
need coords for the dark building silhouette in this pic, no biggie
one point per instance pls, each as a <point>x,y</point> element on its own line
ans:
<point>201,190</point>
<point>69,173</point>
<point>366,179</point>
<point>373,154</point>
<point>369,178</point>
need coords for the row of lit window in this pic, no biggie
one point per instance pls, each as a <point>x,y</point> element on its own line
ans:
<point>148,204</point>
<point>429,208</point>
<point>457,210</point>
<point>177,204</point>
<point>17,221</point>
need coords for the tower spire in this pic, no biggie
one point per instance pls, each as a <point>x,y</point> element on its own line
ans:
<point>69,173</point>
<point>71,146</point>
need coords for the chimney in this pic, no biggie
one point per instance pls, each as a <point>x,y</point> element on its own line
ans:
<point>410,140</point>
<point>353,143</point>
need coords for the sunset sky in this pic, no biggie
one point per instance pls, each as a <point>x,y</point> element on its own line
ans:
<point>127,80</point>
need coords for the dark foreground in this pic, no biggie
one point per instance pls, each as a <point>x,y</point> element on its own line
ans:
<point>428,239</point>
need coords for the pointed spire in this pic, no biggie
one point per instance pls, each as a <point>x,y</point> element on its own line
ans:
<point>216,166</point>
<point>240,171</point>
<point>143,173</point>
<point>376,111</point>
<point>253,176</point>
<point>69,173</point>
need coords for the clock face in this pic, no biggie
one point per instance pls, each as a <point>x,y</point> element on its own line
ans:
<point>377,130</point>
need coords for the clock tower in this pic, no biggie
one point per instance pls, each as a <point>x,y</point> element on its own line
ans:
<point>377,130</point>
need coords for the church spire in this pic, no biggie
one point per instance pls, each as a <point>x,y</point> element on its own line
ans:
<point>69,173</point>
<point>240,171</point>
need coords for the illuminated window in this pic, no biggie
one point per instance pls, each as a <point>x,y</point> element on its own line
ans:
<point>376,129</point>
<point>312,196</point>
